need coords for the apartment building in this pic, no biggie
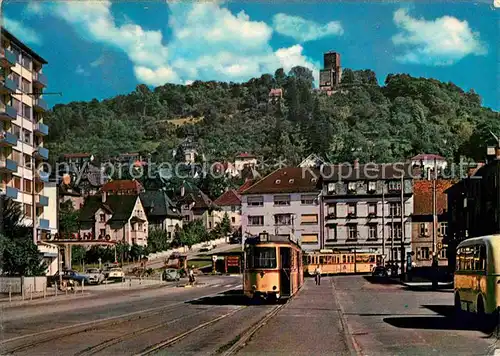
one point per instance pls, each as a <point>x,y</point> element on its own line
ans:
<point>228,203</point>
<point>424,234</point>
<point>362,208</point>
<point>284,203</point>
<point>22,130</point>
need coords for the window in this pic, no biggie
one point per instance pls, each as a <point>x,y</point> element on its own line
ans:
<point>27,185</point>
<point>443,228</point>
<point>102,218</point>
<point>395,209</point>
<point>423,253</point>
<point>18,157</point>
<point>16,78</point>
<point>185,218</point>
<point>26,111</point>
<point>331,188</point>
<point>309,219</point>
<point>261,257</point>
<point>102,233</point>
<point>309,238</point>
<point>395,231</point>
<point>27,137</point>
<point>351,209</point>
<point>233,220</point>
<point>17,53</point>
<point>352,231</point>
<point>332,233</point>
<point>283,219</point>
<point>255,201</point>
<point>442,253</point>
<point>372,231</point>
<point>209,224</point>
<point>28,211</point>
<point>394,185</point>
<point>307,199</point>
<point>372,209</point>
<point>233,208</point>
<point>16,104</point>
<point>256,220</point>
<point>351,186</point>
<point>16,131</point>
<point>26,160</point>
<point>25,86</point>
<point>332,210</point>
<point>372,186</point>
<point>281,200</point>
<point>424,231</point>
<point>26,62</point>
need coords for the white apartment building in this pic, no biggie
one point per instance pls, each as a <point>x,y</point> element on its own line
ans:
<point>22,132</point>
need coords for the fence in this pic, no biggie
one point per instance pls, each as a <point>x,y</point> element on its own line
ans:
<point>17,285</point>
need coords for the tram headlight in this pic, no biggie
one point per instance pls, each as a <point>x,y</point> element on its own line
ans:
<point>254,287</point>
<point>274,287</point>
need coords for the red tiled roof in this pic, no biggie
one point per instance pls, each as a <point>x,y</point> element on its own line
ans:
<point>245,155</point>
<point>122,185</point>
<point>246,185</point>
<point>276,92</point>
<point>229,198</point>
<point>77,155</point>
<point>426,157</point>
<point>422,196</point>
<point>286,180</point>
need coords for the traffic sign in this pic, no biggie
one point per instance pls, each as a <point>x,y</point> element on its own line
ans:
<point>214,258</point>
<point>439,246</point>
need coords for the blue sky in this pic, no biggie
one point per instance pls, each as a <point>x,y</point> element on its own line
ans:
<point>101,49</point>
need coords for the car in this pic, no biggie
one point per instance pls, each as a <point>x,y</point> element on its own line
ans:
<point>206,247</point>
<point>116,273</point>
<point>380,271</point>
<point>75,277</point>
<point>171,274</point>
<point>95,276</point>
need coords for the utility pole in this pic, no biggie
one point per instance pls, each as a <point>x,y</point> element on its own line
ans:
<point>383,222</point>
<point>402,226</point>
<point>434,216</point>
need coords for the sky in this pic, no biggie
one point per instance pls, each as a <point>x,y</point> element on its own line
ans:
<point>99,49</point>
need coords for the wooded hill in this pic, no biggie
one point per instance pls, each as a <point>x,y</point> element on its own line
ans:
<point>363,120</point>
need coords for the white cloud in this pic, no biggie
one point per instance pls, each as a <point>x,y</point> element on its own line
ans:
<point>444,41</point>
<point>305,30</point>
<point>24,33</point>
<point>81,71</point>
<point>208,42</point>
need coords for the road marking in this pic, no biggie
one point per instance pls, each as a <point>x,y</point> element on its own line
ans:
<point>94,322</point>
<point>228,285</point>
<point>215,285</point>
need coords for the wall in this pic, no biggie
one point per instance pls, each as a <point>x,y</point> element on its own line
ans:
<point>17,284</point>
<point>50,211</point>
<point>236,215</point>
<point>418,241</point>
<point>269,210</point>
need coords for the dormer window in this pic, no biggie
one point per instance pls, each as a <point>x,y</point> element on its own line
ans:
<point>290,181</point>
<point>313,180</point>
<point>351,186</point>
<point>372,186</point>
<point>331,188</point>
<point>278,181</point>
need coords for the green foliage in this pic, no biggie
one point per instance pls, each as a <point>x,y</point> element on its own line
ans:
<point>193,232</point>
<point>78,254</point>
<point>68,218</point>
<point>361,120</point>
<point>157,241</point>
<point>18,254</point>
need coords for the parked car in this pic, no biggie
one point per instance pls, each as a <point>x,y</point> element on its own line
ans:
<point>171,274</point>
<point>68,276</point>
<point>206,247</point>
<point>95,276</point>
<point>380,271</point>
<point>116,273</point>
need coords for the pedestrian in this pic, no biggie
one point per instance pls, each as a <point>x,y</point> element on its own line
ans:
<point>317,275</point>
<point>191,275</point>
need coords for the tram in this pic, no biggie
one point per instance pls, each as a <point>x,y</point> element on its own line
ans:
<point>273,267</point>
<point>331,262</point>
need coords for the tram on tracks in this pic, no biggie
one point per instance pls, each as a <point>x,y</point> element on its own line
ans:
<point>273,267</point>
<point>333,262</point>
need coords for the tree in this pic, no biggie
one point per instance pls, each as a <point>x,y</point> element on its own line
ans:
<point>225,225</point>
<point>157,240</point>
<point>68,218</point>
<point>19,255</point>
<point>192,233</point>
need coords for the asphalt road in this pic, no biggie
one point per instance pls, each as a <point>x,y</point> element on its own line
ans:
<point>344,316</point>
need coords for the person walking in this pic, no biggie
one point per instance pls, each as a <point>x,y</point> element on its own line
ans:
<point>317,275</point>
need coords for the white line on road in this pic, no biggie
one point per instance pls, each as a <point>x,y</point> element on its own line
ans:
<point>228,285</point>
<point>215,285</point>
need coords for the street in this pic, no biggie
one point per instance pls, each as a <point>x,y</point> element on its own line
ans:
<point>345,315</point>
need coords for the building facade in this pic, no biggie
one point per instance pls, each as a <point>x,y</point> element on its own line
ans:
<point>283,203</point>
<point>161,212</point>
<point>228,203</point>
<point>362,209</point>
<point>244,160</point>
<point>427,239</point>
<point>330,75</point>
<point>22,131</point>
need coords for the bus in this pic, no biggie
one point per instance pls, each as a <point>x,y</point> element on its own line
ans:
<point>477,276</point>
<point>272,267</point>
<point>331,262</point>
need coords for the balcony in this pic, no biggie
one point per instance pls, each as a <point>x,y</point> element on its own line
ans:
<point>41,129</point>
<point>42,153</point>
<point>39,80</point>
<point>8,165</point>
<point>8,86</point>
<point>331,216</point>
<point>42,200</point>
<point>7,59</point>
<point>42,176</point>
<point>10,192</point>
<point>7,139</point>
<point>7,113</point>
<point>40,105</point>
<point>43,224</point>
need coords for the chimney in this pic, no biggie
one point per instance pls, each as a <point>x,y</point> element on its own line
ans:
<point>356,163</point>
<point>103,197</point>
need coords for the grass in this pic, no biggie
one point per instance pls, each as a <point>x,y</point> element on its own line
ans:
<point>198,263</point>
<point>185,120</point>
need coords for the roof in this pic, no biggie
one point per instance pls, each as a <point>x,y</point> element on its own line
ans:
<point>229,198</point>
<point>157,203</point>
<point>121,206</point>
<point>422,196</point>
<point>246,155</point>
<point>276,92</point>
<point>371,171</point>
<point>286,180</point>
<point>248,183</point>
<point>77,155</point>
<point>122,185</point>
<point>21,45</point>
<point>428,157</point>
<point>193,194</point>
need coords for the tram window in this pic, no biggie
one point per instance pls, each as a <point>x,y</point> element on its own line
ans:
<point>322,260</point>
<point>372,258</point>
<point>262,257</point>
<point>344,259</point>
